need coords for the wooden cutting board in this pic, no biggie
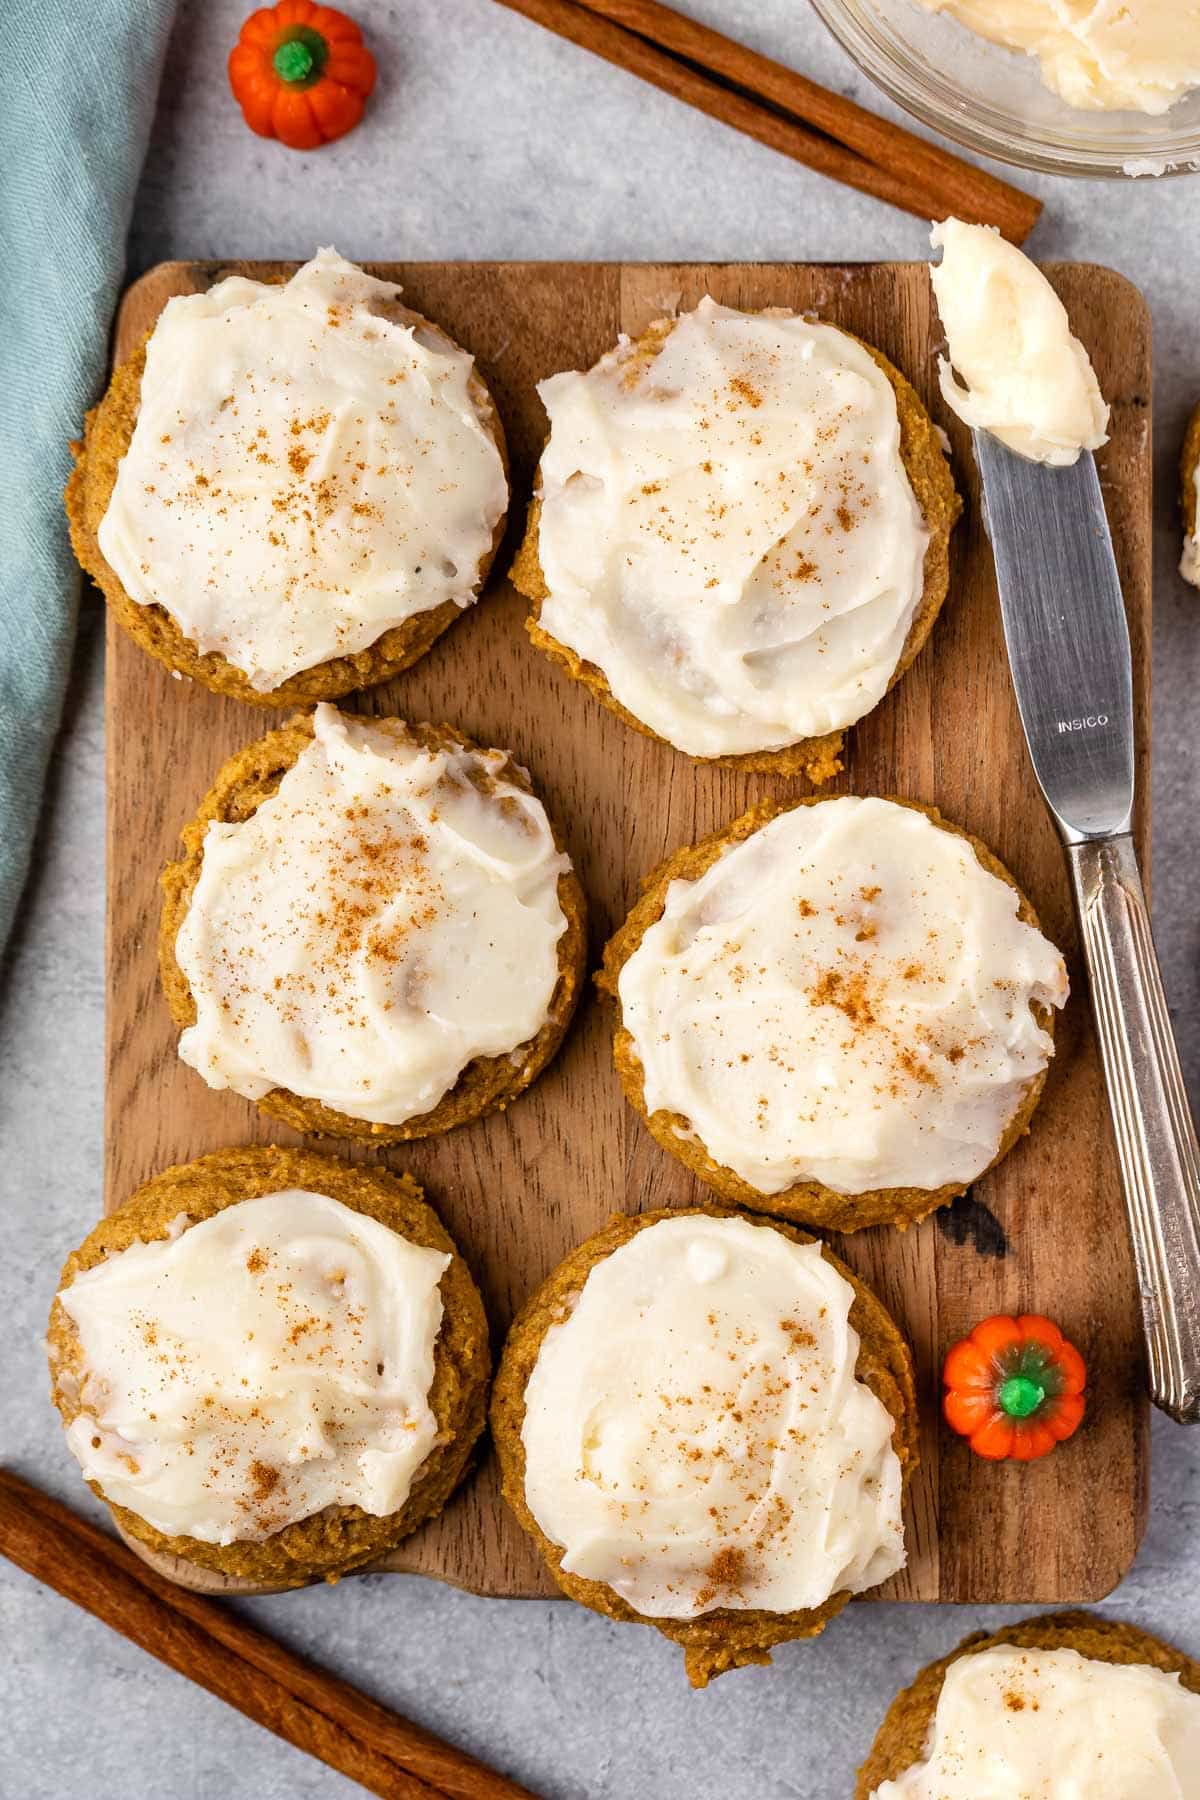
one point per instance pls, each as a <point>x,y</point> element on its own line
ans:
<point>1044,1232</point>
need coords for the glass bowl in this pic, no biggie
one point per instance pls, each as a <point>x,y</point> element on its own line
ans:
<point>993,101</point>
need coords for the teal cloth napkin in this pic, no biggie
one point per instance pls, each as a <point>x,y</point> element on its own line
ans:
<point>78,80</point>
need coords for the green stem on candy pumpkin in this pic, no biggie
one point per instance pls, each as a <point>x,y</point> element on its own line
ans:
<point>1020,1397</point>
<point>300,57</point>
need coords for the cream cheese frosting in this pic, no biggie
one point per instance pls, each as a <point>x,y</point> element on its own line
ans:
<point>695,1435</point>
<point>1189,562</point>
<point>727,530</point>
<point>1101,55</point>
<point>386,916</point>
<point>1013,367</point>
<point>305,473</point>
<point>1053,1725</point>
<point>268,1362</point>
<point>842,997</point>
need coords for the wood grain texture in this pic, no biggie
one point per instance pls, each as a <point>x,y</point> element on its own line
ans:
<point>520,1189</point>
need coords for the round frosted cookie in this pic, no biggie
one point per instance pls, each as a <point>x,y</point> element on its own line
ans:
<point>836,1010</point>
<point>373,931</point>
<point>270,1363</point>
<point>706,1423</point>
<point>740,538</point>
<point>290,490</point>
<point>1066,1704</point>
<point>1189,467</point>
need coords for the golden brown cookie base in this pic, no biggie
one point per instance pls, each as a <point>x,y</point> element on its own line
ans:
<point>809,1202</point>
<point>341,1537</point>
<point>108,430</point>
<point>727,1638</point>
<point>1189,459</point>
<point>487,1084</point>
<point>900,1741</point>
<point>932,484</point>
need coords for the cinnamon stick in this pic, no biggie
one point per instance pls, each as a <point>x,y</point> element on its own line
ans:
<point>785,110</point>
<point>203,1639</point>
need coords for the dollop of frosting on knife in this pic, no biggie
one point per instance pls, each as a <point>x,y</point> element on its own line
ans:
<point>1014,367</point>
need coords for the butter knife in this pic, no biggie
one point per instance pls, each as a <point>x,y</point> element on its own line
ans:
<point>1068,647</point>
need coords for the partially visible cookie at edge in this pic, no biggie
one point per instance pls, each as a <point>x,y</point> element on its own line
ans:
<point>902,1741</point>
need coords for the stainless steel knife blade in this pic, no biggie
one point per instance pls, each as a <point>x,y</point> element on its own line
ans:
<point>1068,641</point>
<point>1068,645</point>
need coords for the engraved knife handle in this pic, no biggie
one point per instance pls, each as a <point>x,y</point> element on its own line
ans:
<point>1156,1137</point>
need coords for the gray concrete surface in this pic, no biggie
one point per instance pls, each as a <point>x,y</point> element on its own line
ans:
<point>488,138</point>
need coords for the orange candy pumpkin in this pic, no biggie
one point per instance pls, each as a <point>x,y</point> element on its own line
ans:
<point>301,73</point>
<point>1014,1387</point>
